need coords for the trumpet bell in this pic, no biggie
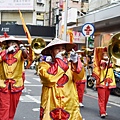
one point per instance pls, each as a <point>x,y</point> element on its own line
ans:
<point>37,45</point>
<point>114,50</point>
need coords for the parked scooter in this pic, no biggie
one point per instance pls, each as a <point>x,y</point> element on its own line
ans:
<point>116,90</point>
<point>91,82</point>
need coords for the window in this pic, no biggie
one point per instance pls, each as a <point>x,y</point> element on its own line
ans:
<point>8,22</point>
<point>86,1</point>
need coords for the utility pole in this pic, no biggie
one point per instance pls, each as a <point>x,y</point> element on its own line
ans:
<point>57,19</point>
<point>49,13</point>
<point>65,20</point>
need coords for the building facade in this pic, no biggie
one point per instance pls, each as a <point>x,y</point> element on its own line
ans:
<point>105,16</point>
<point>44,13</point>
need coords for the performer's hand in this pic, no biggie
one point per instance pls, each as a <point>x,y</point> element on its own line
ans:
<point>22,47</point>
<point>73,56</point>
<point>60,55</point>
<point>11,49</point>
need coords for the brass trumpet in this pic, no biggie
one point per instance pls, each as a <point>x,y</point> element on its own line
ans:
<point>37,45</point>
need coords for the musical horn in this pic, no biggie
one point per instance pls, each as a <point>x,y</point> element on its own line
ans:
<point>114,51</point>
<point>37,45</point>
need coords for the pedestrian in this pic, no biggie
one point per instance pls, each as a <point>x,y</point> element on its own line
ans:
<point>105,80</point>
<point>59,99</point>
<point>12,76</point>
<point>81,83</point>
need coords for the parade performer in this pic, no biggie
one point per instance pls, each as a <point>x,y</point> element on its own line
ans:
<point>59,99</point>
<point>12,76</point>
<point>81,83</point>
<point>105,80</point>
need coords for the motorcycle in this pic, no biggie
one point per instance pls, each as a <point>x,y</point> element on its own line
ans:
<point>116,90</point>
<point>91,82</point>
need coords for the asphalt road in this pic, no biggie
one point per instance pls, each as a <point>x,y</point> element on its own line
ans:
<point>28,107</point>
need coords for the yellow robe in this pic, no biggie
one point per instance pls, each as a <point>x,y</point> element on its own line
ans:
<point>12,70</point>
<point>99,73</point>
<point>59,99</point>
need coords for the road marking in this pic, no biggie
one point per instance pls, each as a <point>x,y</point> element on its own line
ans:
<point>27,81</point>
<point>36,109</point>
<point>37,79</point>
<point>25,99</point>
<point>21,98</point>
<point>32,98</point>
<point>91,96</point>
<point>28,98</point>
<point>115,104</point>
<point>108,106</point>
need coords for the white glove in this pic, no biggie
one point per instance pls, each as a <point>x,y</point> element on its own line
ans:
<point>22,47</point>
<point>11,48</point>
<point>60,55</point>
<point>73,56</point>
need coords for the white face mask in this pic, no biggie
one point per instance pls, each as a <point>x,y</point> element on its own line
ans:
<point>105,57</point>
<point>80,56</point>
<point>49,59</point>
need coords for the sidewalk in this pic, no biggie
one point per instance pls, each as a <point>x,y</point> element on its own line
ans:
<point>112,98</point>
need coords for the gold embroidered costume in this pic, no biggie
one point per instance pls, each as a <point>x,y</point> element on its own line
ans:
<point>59,99</point>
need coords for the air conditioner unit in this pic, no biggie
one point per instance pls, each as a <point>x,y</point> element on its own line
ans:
<point>114,1</point>
<point>75,0</point>
<point>41,1</point>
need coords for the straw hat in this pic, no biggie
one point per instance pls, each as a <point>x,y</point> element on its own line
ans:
<point>80,51</point>
<point>57,41</point>
<point>10,38</point>
<point>88,49</point>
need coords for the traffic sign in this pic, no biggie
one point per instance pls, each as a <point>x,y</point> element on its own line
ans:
<point>88,29</point>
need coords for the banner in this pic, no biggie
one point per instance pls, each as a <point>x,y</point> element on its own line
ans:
<point>25,28</point>
<point>30,59</point>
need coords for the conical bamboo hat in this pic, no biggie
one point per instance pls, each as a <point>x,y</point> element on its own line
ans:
<point>57,41</point>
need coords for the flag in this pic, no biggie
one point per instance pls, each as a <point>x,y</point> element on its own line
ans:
<point>25,28</point>
<point>70,33</point>
<point>30,58</point>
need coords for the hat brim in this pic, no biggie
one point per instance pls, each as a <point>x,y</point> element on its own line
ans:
<point>69,47</point>
<point>88,50</point>
<point>6,41</point>
<point>11,38</point>
<point>80,51</point>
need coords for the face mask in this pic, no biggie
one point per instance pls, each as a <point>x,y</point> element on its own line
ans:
<point>80,56</point>
<point>105,57</point>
